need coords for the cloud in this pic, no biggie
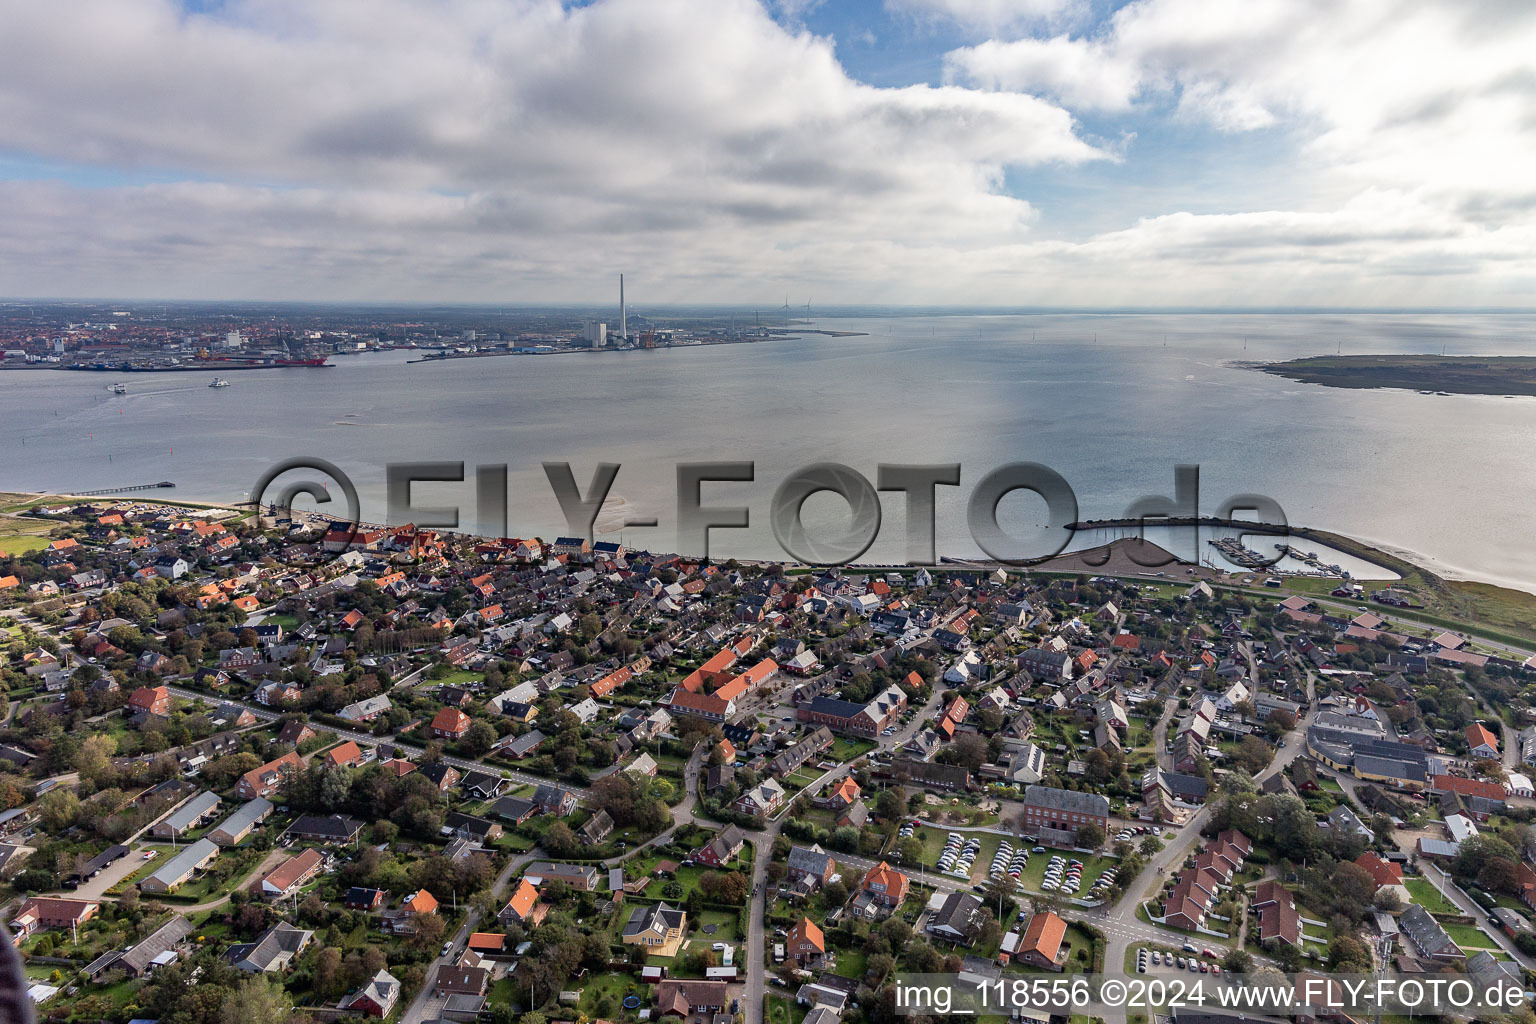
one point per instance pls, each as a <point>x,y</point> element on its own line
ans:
<point>524,150</point>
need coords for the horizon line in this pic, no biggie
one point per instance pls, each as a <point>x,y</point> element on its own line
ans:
<point>795,312</point>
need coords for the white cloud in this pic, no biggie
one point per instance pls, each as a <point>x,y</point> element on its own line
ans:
<point>516,149</point>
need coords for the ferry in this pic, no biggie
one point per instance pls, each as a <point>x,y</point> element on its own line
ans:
<point>219,382</point>
<point>118,389</point>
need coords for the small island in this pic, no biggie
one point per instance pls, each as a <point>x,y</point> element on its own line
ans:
<point>1427,374</point>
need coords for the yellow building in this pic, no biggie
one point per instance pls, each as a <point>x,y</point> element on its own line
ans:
<point>660,929</point>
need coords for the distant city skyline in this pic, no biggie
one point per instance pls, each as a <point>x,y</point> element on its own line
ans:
<point>952,153</point>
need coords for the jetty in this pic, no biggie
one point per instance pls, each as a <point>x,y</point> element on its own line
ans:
<point>108,491</point>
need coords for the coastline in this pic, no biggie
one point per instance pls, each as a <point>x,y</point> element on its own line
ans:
<point>773,335</point>
<point>1443,596</point>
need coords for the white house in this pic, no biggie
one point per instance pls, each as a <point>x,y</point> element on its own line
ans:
<point>1235,695</point>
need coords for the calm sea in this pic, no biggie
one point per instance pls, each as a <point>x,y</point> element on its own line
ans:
<point>1112,402</point>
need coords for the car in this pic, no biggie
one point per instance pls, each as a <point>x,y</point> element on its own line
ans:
<point>149,854</point>
<point>1188,948</point>
<point>1215,968</point>
<point>1194,966</point>
<point>720,947</point>
<point>447,947</point>
<point>1183,963</point>
<point>1205,968</point>
<point>1157,957</point>
<point>1208,953</point>
<point>1038,849</point>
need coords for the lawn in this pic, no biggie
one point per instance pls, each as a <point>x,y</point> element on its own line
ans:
<point>457,678</point>
<point>1469,936</point>
<point>1427,896</point>
<point>686,877</point>
<point>20,545</point>
<point>844,749</point>
<point>851,963</point>
<point>726,927</point>
<point>610,986</point>
<point>783,1010</point>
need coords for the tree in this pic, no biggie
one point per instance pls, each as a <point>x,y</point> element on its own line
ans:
<point>1349,955</point>
<point>1253,754</point>
<point>1387,901</point>
<point>1237,961</point>
<point>969,750</point>
<point>429,930</point>
<point>480,738</point>
<point>258,1000</point>
<point>328,972</point>
<point>59,809</point>
<point>1500,875</point>
<point>1090,835</point>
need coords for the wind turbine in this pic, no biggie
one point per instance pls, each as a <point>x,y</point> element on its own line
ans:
<point>785,307</point>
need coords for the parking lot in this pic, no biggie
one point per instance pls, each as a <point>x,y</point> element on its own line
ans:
<point>973,856</point>
<point>1192,959</point>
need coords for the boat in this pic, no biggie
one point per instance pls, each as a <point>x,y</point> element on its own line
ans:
<point>219,382</point>
<point>118,389</point>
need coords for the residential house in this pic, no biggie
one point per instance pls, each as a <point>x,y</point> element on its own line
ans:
<point>272,952</point>
<point>1041,944</point>
<point>291,875</point>
<point>660,929</point>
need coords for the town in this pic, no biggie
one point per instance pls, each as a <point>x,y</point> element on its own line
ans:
<point>176,338</point>
<point>522,781</point>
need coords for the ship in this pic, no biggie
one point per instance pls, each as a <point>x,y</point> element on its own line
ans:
<point>202,365</point>
<point>219,382</point>
<point>118,389</point>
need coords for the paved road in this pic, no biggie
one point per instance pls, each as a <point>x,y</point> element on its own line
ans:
<point>427,1005</point>
<point>1160,733</point>
<point>1119,922</point>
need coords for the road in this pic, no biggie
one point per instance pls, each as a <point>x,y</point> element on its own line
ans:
<point>428,1005</point>
<point>1118,921</point>
<point>266,714</point>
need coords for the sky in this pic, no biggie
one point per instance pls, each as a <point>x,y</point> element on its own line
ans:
<point>1362,153</point>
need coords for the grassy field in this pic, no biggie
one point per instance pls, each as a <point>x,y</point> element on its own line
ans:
<point>783,1010</point>
<point>20,544</point>
<point>1427,896</point>
<point>458,678</point>
<point>1469,936</point>
<point>725,923</point>
<point>844,749</point>
<point>612,985</point>
<point>851,963</point>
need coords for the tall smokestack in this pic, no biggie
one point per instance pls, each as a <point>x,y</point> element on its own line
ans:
<point>623,326</point>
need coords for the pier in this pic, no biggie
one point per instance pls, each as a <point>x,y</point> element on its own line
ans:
<point>107,492</point>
